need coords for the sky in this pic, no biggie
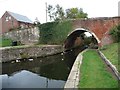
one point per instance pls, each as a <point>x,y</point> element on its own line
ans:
<point>37,8</point>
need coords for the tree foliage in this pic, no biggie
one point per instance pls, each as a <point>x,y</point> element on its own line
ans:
<point>74,13</point>
<point>115,32</point>
<point>50,11</point>
<point>54,32</point>
<point>57,13</point>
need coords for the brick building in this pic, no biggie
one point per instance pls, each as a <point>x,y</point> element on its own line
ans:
<point>11,20</point>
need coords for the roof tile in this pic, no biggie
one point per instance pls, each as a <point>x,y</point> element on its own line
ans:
<point>20,17</point>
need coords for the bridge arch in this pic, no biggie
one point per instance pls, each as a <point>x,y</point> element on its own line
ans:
<point>72,37</point>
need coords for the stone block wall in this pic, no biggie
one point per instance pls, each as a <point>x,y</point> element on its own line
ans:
<point>26,36</point>
<point>13,53</point>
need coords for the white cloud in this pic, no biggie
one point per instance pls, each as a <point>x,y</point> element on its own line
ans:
<point>36,8</point>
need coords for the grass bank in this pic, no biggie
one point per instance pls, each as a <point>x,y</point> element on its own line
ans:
<point>111,52</point>
<point>5,42</point>
<point>94,73</point>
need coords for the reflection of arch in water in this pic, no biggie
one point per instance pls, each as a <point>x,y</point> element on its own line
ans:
<point>69,42</point>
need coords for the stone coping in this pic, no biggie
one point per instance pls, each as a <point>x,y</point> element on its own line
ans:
<point>25,46</point>
<point>74,76</point>
<point>28,51</point>
<point>110,64</point>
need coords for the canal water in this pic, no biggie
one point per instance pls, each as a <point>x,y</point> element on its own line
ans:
<point>47,72</point>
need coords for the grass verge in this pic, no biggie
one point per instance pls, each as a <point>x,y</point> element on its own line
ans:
<point>94,73</point>
<point>5,42</point>
<point>111,52</point>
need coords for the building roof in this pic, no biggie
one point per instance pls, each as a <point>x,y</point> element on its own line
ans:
<point>20,18</point>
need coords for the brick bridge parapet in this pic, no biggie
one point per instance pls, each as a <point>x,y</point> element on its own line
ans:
<point>99,26</point>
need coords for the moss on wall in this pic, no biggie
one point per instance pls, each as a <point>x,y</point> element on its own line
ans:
<point>54,32</point>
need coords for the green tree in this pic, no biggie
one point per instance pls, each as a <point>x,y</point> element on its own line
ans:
<point>59,14</point>
<point>50,11</point>
<point>74,13</point>
<point>55,13</point>
<point>115,32</point>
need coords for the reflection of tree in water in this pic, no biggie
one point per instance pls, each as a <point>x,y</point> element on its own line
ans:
<point>56,71</point>
<point>71,55</point>
<point>52,67</point>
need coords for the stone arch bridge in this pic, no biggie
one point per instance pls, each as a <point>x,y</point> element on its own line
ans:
<point>98,27</point>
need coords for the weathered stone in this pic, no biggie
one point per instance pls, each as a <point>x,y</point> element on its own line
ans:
<point>109,64</point>
<point>26,36</point>
<point>13,53</point>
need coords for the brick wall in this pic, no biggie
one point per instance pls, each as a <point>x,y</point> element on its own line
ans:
<point>99,26</point>
<point>8,24</point>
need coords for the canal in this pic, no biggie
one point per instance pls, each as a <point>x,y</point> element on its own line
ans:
<point>47,72</point>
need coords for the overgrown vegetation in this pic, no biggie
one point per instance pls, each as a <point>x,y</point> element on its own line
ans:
<point>5,42</point>
<point>111,52</point>
<point>54,32</point>
<point>94,73</point>
<point>115,32</point>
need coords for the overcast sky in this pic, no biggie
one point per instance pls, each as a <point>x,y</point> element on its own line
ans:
<point>36,8</point>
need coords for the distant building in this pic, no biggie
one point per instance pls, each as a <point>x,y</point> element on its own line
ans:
<point>11,20</point>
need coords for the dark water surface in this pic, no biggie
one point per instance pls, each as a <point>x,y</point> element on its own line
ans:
<point>47,72</point>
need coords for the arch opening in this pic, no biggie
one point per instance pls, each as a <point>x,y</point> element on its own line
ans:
<point>81,38</point>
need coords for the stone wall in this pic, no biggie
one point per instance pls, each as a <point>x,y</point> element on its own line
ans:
<point>109,64</point>
<point>19,52</point>
<point>26,36</point>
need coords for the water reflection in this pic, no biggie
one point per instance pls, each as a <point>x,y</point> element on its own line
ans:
<point>71,55</point>
<point>47,72</point>
<point>48,67</point>
<point>28,79</point>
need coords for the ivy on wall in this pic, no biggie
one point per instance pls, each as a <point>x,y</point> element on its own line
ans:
<point>54,32</point>
<point>115,32</point>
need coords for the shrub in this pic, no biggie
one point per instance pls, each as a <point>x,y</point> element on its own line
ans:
<point>54,32</point>
<point>5,42</point>
<point>115,32</point>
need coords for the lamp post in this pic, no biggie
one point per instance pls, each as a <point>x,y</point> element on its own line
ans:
<point>46,11</point>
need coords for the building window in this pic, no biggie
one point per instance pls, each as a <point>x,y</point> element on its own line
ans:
<point>7,18</point>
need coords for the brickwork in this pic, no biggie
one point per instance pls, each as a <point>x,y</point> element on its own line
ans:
<point>99,26</point>
<point>8,22</point>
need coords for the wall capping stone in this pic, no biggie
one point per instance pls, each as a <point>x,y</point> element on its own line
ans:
<point>28,51</point>
<point>74,76</point>
<point>114,69</point>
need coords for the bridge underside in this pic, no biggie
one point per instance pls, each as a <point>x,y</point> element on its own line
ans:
<point>77,39</point>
